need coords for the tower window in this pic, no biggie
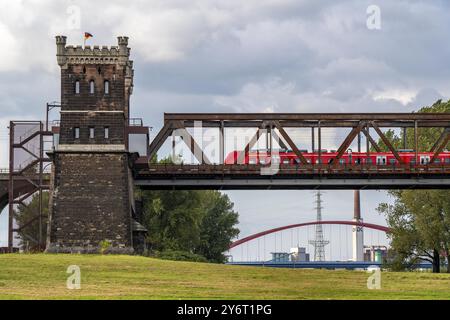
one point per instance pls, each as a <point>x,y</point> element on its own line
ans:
<point>106,87</point>
<point>91,87</point>
<point>77,87</point>
<point>91,133</point>
<point>76,133</point>
<point>106,132</point>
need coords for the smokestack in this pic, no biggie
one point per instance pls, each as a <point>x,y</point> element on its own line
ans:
<point>356,206</point>
<point>357,230</point>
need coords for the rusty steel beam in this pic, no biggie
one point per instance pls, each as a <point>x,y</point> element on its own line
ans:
<point>290,142</point>
<point>11,188</point>
<point>193,146</point>
<point>363,176</point>
<point>387,142</point>
<point>313,124</point>
<point>441,147</point>
<point>250,144</point>
<point>441,138</point>
<point>347,142</point>
<point>308,116</point>
<point>279,140</point>
<point>160,138</point>
<point>370,139</point>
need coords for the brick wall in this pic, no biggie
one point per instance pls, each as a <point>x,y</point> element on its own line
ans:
<point>90,202</point>
<point>84,121</point>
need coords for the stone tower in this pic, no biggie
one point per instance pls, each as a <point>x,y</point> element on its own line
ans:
<point>92,186</point>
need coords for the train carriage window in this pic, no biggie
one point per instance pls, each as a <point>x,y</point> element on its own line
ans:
<point>381,160</point>
<point>392,161</point>
<point>447,160</point>
<point>424,159</point>
<point>342,161</point>
<point>437,160</point>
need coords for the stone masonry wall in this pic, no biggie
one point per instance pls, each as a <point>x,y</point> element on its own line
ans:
<point>91,202</point>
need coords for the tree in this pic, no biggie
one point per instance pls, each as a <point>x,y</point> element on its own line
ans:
<point>198,222</point>
<point>420,219</point>
<point>27,220</point>
<point>172,219</point>
<point>217,227</point>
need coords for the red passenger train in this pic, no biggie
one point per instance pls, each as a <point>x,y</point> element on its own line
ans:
<point>262,157</point>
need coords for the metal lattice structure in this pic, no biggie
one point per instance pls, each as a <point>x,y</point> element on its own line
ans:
<point>365,129</point>
<point>319,242</point>
<point>27,175</point>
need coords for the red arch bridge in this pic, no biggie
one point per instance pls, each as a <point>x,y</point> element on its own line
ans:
<point>341,264</point>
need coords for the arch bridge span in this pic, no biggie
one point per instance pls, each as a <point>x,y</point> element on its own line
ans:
<point>297,225</point>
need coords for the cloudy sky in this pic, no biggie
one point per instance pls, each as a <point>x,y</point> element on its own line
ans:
<point>240,56</point>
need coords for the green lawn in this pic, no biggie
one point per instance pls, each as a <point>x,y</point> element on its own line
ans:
<point>127,277</point>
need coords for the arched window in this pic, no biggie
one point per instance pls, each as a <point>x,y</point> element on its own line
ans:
<point>77,87</point>
<point>91,87</point>
<point>106,87</point>
<point>76,133</point>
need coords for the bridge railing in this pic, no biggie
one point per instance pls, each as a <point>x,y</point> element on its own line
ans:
<point>136,122</point>
<point>297,169</point>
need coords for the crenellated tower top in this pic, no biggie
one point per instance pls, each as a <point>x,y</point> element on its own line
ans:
<point>96,55</point>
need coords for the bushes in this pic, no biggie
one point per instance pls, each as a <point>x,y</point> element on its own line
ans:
<point>179,256</point>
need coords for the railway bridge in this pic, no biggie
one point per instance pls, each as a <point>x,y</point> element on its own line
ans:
<point>423,169</point>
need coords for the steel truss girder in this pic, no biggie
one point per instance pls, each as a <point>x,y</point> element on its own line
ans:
<point>358,122</point>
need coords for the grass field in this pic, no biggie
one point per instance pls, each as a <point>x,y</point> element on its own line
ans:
<point>127,277</point>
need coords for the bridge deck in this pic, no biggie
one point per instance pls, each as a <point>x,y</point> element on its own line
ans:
<point>169,176</point>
